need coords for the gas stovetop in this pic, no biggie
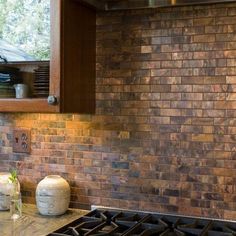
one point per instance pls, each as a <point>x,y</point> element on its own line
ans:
<point>102,222</point>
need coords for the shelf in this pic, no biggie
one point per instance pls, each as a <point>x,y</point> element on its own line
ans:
<point>29,105</point>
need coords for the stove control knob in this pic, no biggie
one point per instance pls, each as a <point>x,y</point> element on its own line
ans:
<point>52,100</point>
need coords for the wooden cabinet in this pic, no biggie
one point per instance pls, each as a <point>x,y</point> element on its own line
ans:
<point>72,63</point>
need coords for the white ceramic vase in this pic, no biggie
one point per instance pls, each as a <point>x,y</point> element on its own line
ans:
<point>6,191</point>
<point>53,195</point>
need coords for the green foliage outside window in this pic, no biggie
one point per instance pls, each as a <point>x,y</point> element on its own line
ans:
<point>26,25</point>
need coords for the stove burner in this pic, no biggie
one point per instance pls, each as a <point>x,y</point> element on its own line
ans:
<point>128,223</point>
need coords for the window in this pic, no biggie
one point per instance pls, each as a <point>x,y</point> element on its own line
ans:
<point>24,30</point>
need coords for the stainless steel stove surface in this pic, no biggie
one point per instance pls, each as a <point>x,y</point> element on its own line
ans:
<point>102,222</point>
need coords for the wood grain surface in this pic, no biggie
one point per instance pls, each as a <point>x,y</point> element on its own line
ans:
<point>78,58</point>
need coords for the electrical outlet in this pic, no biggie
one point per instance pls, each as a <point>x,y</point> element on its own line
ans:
<point>21,140</point>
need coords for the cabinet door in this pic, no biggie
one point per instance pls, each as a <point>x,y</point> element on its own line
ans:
<point>73,59</point>
<point>56,52</point>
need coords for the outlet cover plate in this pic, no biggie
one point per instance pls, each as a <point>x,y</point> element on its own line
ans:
<point>21,140</point>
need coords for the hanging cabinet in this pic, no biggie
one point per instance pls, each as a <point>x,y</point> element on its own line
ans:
<point>72,63</point>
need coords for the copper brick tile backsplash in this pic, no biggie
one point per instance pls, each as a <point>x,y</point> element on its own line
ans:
<point>164,134</point>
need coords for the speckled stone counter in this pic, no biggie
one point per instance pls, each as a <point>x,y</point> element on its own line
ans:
<point>32,223</point>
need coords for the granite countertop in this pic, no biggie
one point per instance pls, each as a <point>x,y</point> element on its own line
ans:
<point>32,223</point>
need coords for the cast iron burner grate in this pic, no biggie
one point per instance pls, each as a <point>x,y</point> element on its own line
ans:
<point>128,223</point>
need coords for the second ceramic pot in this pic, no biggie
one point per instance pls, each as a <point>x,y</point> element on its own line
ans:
<point>53,195</point>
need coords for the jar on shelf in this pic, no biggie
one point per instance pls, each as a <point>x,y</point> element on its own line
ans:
<point>53,195</point>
